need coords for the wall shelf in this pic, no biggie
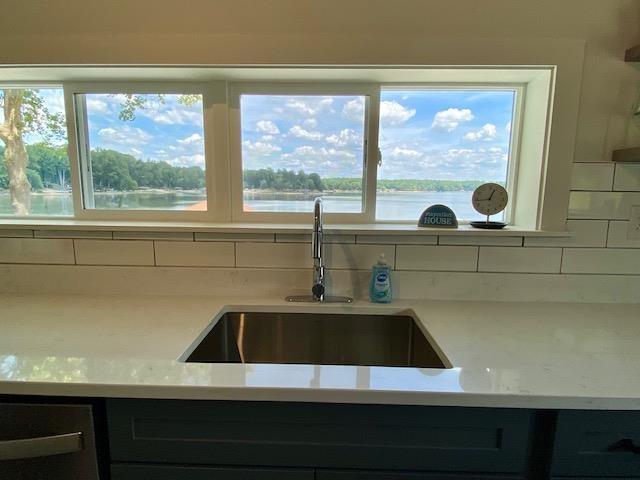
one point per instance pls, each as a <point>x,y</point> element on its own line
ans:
<point>627,155</point>
<point>632,54</point>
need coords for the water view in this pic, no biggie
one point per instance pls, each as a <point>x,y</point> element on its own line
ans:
<point>390,205</point>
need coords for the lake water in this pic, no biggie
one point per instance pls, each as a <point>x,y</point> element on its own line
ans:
<point>391,205</point>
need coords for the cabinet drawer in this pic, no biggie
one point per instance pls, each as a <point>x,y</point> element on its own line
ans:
<point>372,475</point>
<point>597,444</point>
<point>319,435</point>
<point>169,472</point>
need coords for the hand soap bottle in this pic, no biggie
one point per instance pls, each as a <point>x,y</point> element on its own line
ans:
<point>380,285</point>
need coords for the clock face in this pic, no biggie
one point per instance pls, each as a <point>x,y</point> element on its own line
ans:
<point>490,198</point>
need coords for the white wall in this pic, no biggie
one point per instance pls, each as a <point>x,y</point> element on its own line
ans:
<point>598,263</point>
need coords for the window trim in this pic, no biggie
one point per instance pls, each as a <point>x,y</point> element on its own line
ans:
<point>369,91</point>
<point>544,169</point>
<point>76,123</point>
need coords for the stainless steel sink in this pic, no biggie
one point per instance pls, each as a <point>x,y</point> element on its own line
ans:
<point>318,339</point>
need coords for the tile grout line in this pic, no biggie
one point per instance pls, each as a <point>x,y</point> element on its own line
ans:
<point>155,263</point>
<point>606,238</point>
<point>73,245</point>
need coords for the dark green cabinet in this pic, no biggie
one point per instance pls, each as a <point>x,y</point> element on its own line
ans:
<point>597,444</point>
<point>226,440</point>
<point>387,475</point>
<point>331,436</point>
<point>181,472</point>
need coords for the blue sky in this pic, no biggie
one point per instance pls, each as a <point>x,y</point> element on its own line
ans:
<point>164,130</point>
<point>425,134</point>
<point>461,134</point>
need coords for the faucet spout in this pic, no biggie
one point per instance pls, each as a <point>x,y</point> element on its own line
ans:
<point>317,250</point>
<point>317,253</point>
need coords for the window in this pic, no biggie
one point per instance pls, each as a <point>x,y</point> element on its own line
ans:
<point>259,144</point>
<point>34,165</point>
<point>142,151</point>
<point>298,143</point>
<point>438,145</point>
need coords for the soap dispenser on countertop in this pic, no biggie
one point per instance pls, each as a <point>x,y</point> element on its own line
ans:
<point>380,285</point>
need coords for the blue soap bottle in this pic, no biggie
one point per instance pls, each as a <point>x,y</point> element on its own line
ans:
<point>380,285</point>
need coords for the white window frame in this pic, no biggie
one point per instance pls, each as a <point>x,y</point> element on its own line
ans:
<point>540,169</point>
<point>371,92</point>
<point>514,140</point>
<point>78,149</point>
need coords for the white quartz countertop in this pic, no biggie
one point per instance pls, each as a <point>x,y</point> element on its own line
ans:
<point>542,355</point>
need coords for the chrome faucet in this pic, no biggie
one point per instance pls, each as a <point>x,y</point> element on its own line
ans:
<point>317,290</point>
<point>317,253</point>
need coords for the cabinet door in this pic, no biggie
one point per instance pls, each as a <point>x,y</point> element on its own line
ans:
<point>600,444</point>
<point>379,475</point>
<point>331,436</point>
<point>179,472</point>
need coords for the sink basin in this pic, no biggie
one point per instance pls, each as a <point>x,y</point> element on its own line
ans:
<point>318,339</point>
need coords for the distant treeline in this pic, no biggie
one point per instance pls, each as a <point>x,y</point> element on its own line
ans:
<point>49,168</point>
<point>288,180</point>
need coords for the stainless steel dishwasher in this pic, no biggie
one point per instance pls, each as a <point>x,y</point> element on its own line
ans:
<point>47,441</point>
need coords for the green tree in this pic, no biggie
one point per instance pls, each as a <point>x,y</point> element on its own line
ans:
<point>24,112</point>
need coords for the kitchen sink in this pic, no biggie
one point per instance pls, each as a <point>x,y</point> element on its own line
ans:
<point>318,339</point>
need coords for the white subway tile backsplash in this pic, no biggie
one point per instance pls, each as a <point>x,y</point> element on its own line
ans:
<point>273,255</point>
<point>195,254</point>
<point>627,177</point>
<point>521,260</point>
<point>36,250</point>
<point>602,205</point>
<point>618,235</point>
<point>306,238</point>
<point>114,252</point>
<point>357,257</point>
<point>72,234</point>
<point>601,261</point>
<point>480,240</point>
<point>143,235</point>
<point>592,176</point>
<point>436,258</point>
<point>234,237</point>
<point>584,233</point>
<point>16,233</point>
<point>398,239</point>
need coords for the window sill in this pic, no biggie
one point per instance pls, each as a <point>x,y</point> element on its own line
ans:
<point>344,229</point>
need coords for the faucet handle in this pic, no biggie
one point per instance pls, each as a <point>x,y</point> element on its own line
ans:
<point>317,290</point>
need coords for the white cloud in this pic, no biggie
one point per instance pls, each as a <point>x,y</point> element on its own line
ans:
<point>95,105</point>
<point>191,139</point>
<point>405,153</point>
<point>309,107</point>
<point>299,132</point>
<point>354,109</point>
<point>311,123</point>
<point>196,160</point>
<point>450,119</point>
<point>267,126</point>
<point>135,151</point>
<point>393,113</point>
<point>267,138</point>
<point>507,127</point>
<point>487,133</point>
<point>124,135</point>
<point>260,147</point>
<point>346,136</point>
<point>309,151</point>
